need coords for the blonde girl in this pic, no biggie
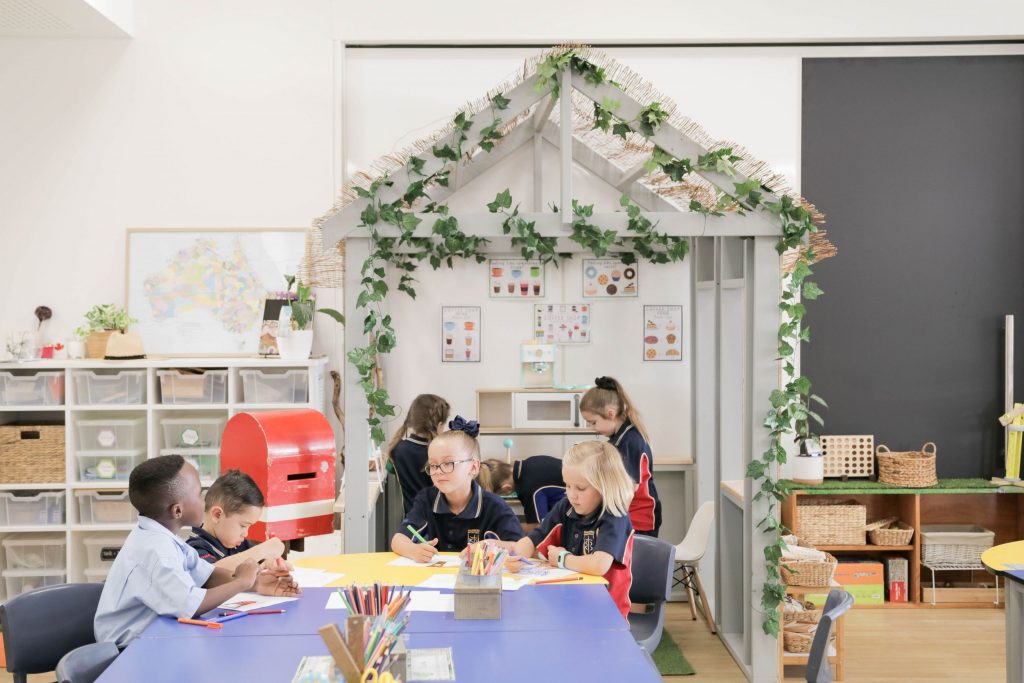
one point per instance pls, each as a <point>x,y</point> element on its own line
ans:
<point>589,531</point>
<point>407,449</point>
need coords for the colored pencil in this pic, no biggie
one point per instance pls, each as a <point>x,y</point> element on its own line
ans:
<point>199,622</point>
<point>415,533</point>
<point>229,617</point>
<point>267,611</point>
<point>561,580</point>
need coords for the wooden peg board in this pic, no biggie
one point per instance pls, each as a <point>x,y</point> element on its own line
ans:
<point>849,455</point>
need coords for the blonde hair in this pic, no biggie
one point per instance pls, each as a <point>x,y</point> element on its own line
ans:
<point>608,392</point>
<point>425,413</point>
<point>601,465</point>
<point>466,444</point>
<point>494,473</point>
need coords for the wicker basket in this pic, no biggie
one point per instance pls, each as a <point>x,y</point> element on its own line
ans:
<point>32,454</point>
<point>954,544</point>
<point>890,531</point>
<point>808,573</point>
<point>798,637</point>
<point>831,522</point>
<point>810,615</point>
<point>909,469</point>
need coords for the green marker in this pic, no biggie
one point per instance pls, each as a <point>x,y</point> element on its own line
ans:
<point>415,533</point>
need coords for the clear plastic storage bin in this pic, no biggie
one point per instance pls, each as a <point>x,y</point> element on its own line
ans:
<point>113,465</point>
<point>36,389</point>
<point>96,575</point>
<point>23,580</point>
<point>100,551</point>
<point>31,509</point>
<point>34,551</point>
<point>105,507</point>
<point>126,387</point>
<point>205,460</point>
<point>111,433</point>
<point>269,386</point>
<point>180,387</point>
<point>193,432</point>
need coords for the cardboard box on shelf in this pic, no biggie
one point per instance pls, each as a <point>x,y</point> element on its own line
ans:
<point>859,572</point>
<point>963,593</point>
<point>896,578</point>
<point>863,594</point>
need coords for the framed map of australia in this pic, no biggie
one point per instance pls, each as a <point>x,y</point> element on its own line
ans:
<point>201,292</point>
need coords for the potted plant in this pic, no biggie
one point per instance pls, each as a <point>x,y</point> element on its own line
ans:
<point>296,340</point>
<point>101,321</point>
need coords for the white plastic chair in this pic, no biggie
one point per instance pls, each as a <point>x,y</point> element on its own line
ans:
<point>688,555</point>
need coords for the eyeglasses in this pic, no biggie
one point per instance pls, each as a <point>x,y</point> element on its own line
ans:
<point>444,468</point>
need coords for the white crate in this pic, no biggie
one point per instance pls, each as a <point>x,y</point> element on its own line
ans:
<point>96,575</point>
<point>105,507</point>
<point>954,544</point>
<point>270,386</point>
<point>38,509</point>
<point>193,432</point>
<point>100,551</point>
<point>108,465</point>
<point>36,389</point>
<point>23,580</point>
<point>34,551</point>
<point>180,387</point>
<point>205,460</point>
<point>111,433</point>
<point>126,387</point>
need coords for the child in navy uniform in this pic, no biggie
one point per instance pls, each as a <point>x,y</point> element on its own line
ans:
<point>455,511</point>
<point>609,412</point>
<point>588,531</point>
<point>525,477</point>
<point>407,450</point>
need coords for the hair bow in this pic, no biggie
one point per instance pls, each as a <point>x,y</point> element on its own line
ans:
<point>606,383</point>
<point>471,427</point>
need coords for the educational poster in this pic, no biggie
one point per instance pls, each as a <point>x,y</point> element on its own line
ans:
<point>460,334</point>
<point>516,279</point>
<point>562,323</point>
<point>663,333</point>
<point>609,278</point>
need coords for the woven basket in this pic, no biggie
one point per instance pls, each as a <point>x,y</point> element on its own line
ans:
<point>909,469</point>
<point>798,637</point>
<point>889,531</point>
<point>808,616</point>
<point>32,454</point>
<point>954,544</point>
<point>808,573</point>
<point>831,522</point>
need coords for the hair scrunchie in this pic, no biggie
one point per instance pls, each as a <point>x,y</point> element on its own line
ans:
<point>471,427</point>
<point>606,383</point>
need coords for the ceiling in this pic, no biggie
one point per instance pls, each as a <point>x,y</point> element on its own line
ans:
<point>66,18</point>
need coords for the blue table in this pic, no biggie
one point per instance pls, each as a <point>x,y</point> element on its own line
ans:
<point>494,657</point>
<point>531,608</point>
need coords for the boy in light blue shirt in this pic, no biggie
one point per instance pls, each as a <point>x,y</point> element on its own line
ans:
<point>156,573</point>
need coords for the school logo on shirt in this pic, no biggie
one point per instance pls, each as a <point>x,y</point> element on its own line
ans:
<point>473,536</point>
<point>589,537</point>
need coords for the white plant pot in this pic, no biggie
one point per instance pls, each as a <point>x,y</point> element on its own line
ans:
<point>76,349</point>
<point>296,345</point>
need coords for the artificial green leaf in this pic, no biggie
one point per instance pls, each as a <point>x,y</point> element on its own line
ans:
<point>499,101</point>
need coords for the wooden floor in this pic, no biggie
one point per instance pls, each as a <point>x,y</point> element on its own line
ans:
<point>883,646</point>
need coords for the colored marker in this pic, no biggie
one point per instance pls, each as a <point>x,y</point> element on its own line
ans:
<point>415,533</point>
<point>267,611</point>
<point>199,622</point>
<point>229,617</point>
<point>561,580</point>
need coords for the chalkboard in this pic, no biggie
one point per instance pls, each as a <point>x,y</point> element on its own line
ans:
<point>918,164</point>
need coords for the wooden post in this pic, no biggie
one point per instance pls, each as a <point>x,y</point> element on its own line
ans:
<point>340,653</point>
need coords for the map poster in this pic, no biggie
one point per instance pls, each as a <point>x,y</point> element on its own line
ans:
<point>561,323</point>
<point>663,333</point>
<point>609,278</point>
<point>202,292</point>
<point>460,334</point>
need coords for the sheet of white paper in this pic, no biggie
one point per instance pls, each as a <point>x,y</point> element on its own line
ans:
<point>439,560</point>
<point>439,581</point>
<point>514,583</point>
<point>544,571</point>
<point>314,578</point>
<point>243,602</point>
<point>429,664</point>
<point>431,601</point>
<point>334,601</point>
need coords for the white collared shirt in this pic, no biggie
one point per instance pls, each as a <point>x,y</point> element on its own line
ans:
<point>155,573</point>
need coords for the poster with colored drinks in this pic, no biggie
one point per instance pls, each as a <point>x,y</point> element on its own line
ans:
<point>516,279</point>
<point>663,333</point>
<point>561,323</point>
<point>609,278</point>
<point>460,334</point>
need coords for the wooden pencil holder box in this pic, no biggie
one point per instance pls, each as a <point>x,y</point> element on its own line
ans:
<point>477,597</point>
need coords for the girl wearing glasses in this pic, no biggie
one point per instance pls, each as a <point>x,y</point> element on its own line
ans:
<point>455,511</point>
<point>408,447</point>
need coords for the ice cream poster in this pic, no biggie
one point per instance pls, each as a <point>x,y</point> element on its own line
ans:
<point>608,277</point>
<point>663,333</point>
<point>515,279</point>
<point>460,334</point>
<point>562,323</point>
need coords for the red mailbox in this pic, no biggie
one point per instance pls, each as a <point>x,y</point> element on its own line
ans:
<point>290,456</point>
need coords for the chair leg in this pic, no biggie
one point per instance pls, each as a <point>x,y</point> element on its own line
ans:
<point>690,599</point>
<point>703,601</point>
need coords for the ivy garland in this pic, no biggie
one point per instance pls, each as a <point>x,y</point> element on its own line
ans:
<point>790,412</point>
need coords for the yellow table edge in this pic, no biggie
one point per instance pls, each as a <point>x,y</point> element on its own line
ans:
<point>999,557</point>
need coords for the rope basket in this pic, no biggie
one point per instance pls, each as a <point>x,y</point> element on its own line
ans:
<point>890,531</point>
<point>811,614</point>
<point>32,454</point>
<point>907,469</point>
<point>798,637</point>
<point>831,522</point>
<point>809,573</point>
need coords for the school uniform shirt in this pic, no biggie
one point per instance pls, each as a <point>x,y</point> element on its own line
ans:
<point>532,474</point>
<point>409,458</point>
<point>608,533</point>
<point>645,509</point>
<point>432,518</point>
<point>155,573</point>
<point>210,548</point>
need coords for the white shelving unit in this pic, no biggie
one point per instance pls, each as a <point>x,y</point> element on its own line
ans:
<point>151,408</point>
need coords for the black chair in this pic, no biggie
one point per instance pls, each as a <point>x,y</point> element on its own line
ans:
<point>654,561</point>
<point>45,624</point>
<point>85,664</point>
<point>818,669</point>
<point>545,498</point>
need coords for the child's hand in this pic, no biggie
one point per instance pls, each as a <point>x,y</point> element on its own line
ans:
<point>278,566</point>
<point>553,551</point>
<point>246,573</point>
<point>276,585</point>
<point>272,548</point>
<point>423,552</point>
<point>513,564</point>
